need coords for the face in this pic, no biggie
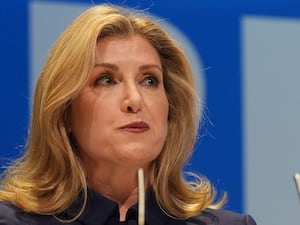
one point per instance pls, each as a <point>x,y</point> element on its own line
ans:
<point>121,115</point>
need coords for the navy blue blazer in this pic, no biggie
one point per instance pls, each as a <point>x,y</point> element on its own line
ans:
<point>102,211</point>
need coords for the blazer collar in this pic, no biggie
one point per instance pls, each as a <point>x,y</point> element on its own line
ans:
<point>102,211</point>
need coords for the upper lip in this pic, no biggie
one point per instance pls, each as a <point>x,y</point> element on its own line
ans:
<point>138,124</point>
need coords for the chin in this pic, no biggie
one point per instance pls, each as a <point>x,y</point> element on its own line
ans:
<point>136,160</point>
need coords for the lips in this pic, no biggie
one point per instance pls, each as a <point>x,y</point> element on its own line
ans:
<point>135,127</point>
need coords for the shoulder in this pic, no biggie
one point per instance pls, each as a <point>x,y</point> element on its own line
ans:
<point>11,215</point>
<point>7,214</point>
<point>221,217</point>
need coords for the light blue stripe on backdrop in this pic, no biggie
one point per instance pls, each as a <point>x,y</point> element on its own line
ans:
<point>271,72</point>
<point>249,87</point>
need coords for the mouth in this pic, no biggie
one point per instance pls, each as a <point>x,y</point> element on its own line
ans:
<point>135,127</point>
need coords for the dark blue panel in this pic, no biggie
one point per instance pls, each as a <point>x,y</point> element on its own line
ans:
<point>214,28</point>
<point>14,76</point>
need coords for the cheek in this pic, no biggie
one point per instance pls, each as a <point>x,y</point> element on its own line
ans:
<point>162,114</point>
<point>88,115</point>
<point>163,108</point>
<point>81,113</point>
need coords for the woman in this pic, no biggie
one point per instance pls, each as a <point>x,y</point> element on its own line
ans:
<point>111,98</point>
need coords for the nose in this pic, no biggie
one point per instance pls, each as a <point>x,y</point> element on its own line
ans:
<point>132,99</point>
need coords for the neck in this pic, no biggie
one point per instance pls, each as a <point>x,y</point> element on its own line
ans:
<point>116,183</point>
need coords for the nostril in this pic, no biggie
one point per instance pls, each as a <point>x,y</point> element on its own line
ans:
<point>129,109</point>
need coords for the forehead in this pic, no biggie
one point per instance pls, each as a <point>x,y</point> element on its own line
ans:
<point>133,47</point>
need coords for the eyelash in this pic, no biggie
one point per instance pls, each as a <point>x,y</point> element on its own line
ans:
<point>154,81</point>
<point>107,79</point>
<point>104,79</point>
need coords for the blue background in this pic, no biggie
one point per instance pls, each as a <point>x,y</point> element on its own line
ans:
<point>214,28</point>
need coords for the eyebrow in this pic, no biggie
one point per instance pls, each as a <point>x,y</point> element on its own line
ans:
<point>116,68</point>
<point>107,65</point>
<point>149,66</point>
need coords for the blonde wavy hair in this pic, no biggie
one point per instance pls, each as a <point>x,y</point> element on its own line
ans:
<point>49,176</point>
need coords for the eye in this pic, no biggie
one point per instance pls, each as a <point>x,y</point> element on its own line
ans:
<point>151,81</point>
<point>104,80</point>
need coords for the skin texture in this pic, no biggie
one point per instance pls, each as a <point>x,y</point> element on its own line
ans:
<point>120,119</point>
